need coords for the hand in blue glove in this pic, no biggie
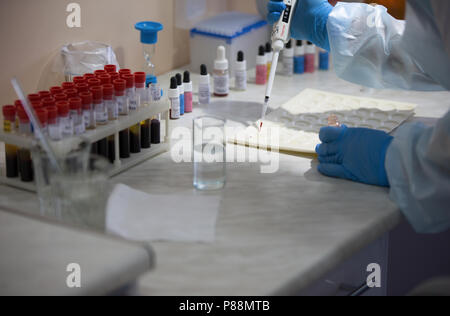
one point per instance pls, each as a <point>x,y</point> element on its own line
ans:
<point>309,21</point>
<point>356,154</point>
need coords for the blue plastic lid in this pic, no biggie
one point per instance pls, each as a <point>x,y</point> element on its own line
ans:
<point>149,31</point>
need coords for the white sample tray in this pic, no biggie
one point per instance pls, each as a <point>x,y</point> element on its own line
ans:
<point>112,128</point>
<point>299,121</point>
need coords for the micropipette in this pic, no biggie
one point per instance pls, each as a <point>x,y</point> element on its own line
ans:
<point>280,36</point>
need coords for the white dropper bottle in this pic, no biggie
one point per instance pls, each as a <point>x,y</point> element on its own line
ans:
<point>221,74</point>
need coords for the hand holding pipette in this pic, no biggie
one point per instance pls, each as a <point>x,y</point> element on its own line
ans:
<point>280,36</point>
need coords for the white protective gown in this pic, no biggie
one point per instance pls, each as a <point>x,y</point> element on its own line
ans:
<point>371,48</point>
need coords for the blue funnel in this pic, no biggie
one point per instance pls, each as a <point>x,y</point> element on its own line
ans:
<point>149,31</point>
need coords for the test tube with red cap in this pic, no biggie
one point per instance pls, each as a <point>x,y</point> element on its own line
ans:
<point>24,121</point>
<point>94,82</point>
<point>79,79</point>
<point>71,93</point>
<point>104,79</point>
<point>60,97</point>
<point>34,97</point>
<point>130,92</point>
<point>110,102</point>
<point>88,76</point>
<point>47,102</point>
<point>56,90</point>
<point>101,112</point>
<point>54,128</point>
<point>124,71</point>
<point>119,91</point>
<point>68,85</point>
<point>76,115</point>
<point>114,76</point>
<point>65,122</point>
<point>9,118</point>
<point>82,87</point>
<point>110,68</point>
<point>141,92</point>
<point>100,72</point>
<point>44,94</point>
<point>42,116</point>
<point>88,110</point>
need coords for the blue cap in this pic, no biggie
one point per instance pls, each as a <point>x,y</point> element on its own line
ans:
<point>149,31</point>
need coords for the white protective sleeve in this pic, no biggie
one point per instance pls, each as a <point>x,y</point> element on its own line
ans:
<point>418,169</point>
<point>369,48</point>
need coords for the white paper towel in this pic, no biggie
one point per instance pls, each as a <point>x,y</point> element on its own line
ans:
<point>139,216</point>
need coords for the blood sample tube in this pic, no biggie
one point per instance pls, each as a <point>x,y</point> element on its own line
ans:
<point>88,76</point>
<point>130,92</point>
<point>110,68</point>
<point>101,112</point>
<point>44,94</point>
<point>146,140</point>
<point>114,76</point>
<point>76,115</point>
<point>42,116</point>
<point>60,97</point>
<point>88,110</point>
<point>100,72</point>
<point>156,131</point>
<point>71,93</point>
<point>135,139</point>
<point>47,102</point>
<point>34,97</point>
<point>56,90</point>
<point>9,119</point>
<point>124,71</point>
<point>110,102</point>
<point>94,82</point>
<point>25,165</point>
<point>65,123</point>
<point>78,80</point>
<point>105,79</point>
<point>141,93</point>
<point>68,85</point>
<point>54,128</point>
<point>121,100</point>
<point>82,87</point>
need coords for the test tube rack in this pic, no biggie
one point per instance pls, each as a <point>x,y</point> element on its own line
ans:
<point>112,128</point>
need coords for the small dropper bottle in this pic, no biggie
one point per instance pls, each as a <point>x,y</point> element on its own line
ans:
<point>187,83</point>
<point>261,67</point>
<point>221,74</point>
<point>240,80</point>
<point>174,98</point>
<point>204,86</point>
<point>288,59</point>
<point>269,57</point>
<point>180,91</point>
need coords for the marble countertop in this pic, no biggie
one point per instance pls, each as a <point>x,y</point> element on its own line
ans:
<point>276,233</point>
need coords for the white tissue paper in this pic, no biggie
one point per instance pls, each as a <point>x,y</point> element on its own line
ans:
<point>139,216</point>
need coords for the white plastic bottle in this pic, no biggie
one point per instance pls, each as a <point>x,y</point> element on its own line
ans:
<point>204,86</point>
<point>221,74</point>
<point>240,80</point>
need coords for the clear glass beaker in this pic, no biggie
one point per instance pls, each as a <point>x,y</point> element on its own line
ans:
<point>78,195</point>
<point>209,144</point>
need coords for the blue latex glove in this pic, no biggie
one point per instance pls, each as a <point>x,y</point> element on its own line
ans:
<point>356,154</point>
<point>309,22</point>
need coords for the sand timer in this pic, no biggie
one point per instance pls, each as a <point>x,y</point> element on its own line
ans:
<point>149,38</point>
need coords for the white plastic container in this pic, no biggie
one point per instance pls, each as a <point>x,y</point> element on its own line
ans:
<point>235,31</point>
